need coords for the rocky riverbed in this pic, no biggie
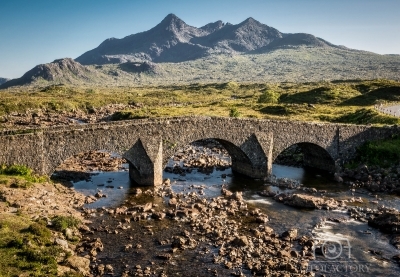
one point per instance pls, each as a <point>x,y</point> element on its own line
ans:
<point>84,165</point>
<point>196,229</point>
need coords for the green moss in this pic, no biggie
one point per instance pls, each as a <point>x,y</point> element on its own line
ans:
<point>40,231</point>
<point>60,223</point>
<point>26,248</point>
<point>22,176</point>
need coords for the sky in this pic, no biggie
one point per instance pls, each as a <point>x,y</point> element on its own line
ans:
<point>34,32</point>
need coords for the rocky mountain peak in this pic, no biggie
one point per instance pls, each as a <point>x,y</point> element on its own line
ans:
<point>212,27</point>
<point>173,22</point>
<point>172,40</point>
<point>250,20</point>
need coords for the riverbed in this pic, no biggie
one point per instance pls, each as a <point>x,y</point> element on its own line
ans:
<point>364,251</point>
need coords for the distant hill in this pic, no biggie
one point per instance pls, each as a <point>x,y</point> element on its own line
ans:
<point>172,40</point>
<point>59,71</point>
<point>3,80</point>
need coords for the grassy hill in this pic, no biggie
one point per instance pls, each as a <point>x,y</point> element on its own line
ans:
<point>334,101</point>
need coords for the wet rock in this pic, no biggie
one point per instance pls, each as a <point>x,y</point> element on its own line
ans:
<point>146,207</point>
<point>100,195</point>
<point>164,256</point>
<point>121,210</point>
<point>386,221</point>
<point>262,219</point>
<point>396,258</point>
<point>289,235</point>
<point>226,192</point>
<point>237,196</point>
<point>173,202</point>
<point>241,241</point>
<point>127,247</point>
<point>80,264</point>
<point>337,178</point>
<point>309,202</point>
<point>137,192</point>
<point>159,215</point>
<point>395,241</point>
<point>178,242</point>
<point>109,268</point>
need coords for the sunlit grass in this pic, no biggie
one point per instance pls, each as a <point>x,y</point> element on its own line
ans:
<point>337,101</point>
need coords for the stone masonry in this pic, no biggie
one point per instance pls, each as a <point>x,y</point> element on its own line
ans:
<point>147,144</point>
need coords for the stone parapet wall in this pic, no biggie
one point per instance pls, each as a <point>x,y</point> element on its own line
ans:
<point>148,143</point>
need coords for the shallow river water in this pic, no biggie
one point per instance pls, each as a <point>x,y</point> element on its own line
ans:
<point>351,254</point>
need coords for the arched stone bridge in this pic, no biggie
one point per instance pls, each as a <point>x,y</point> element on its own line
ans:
<point>148,144</point>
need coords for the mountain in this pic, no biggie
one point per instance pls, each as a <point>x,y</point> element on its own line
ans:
<point>3,80</point>
<point>168,41</point>
<point>174,52</point>
<point>296,40</point>
<point>172,40</point>
<point>246,36</point>
<point>61,71</point>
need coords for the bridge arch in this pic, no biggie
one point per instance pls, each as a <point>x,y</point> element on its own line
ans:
<point>78,166</point>
<point>255,143</point>
<point>314,155</point>
<point>246,156</point>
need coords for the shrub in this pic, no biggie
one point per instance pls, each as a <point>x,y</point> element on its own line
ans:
<point>268,96</point>
<point>381,152</point>
<point>60,223</point>
<point>21,171</point>
<point>15,170</point>
<point>234,112</point>
<point>41,231</point>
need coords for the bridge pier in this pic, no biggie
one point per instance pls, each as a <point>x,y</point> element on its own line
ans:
<point>149,177</point>
<point>145,162</point>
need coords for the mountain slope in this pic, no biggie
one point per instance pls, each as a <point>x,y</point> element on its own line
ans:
<point>153,44</point>
<point>172,40</point>
<point>3,80</point>
<point>297,64</point>
<point>61,70</point>
<point>246,36</point>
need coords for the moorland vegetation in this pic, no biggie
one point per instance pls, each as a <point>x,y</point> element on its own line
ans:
<point>335,101</point>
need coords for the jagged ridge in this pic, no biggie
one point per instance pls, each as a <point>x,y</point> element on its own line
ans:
<point>172,40</point>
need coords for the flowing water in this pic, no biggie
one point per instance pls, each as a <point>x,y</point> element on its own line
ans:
<point>350,241</point>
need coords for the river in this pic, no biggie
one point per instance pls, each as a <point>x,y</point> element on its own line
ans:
<point>364,251</point>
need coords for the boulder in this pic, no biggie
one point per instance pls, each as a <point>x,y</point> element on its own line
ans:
<point>80,264</point>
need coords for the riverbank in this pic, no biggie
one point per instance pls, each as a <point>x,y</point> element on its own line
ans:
<point>40,227</point>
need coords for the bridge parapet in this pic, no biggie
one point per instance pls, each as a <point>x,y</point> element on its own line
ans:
<point>148,143</point>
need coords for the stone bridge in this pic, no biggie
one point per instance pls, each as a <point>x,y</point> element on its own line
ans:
<point>148,144</point>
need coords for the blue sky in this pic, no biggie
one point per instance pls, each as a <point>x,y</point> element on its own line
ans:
<point>39,31</point>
